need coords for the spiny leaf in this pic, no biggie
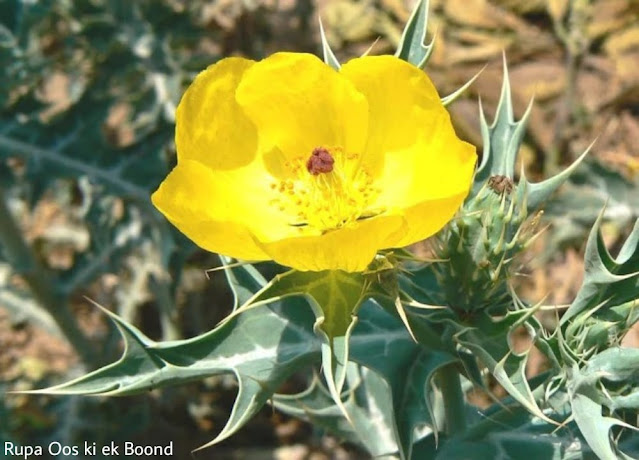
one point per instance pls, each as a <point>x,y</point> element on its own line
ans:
<point>607,279</point>
<point>502,138</point>
<point>244,283</point>
<point>367,401</point>
<point>502,141</point>
<point>334,297</point>
<point>407,367</point>
<point>262,347</point>
<point>316,405</point>
<point>610,368</point>
<point>539,192</point>
<point>411,46</point>
<point>488,343</point>
<point>510,430</point>
<point>592,187</point>
<point>595,427</point>
<point>381,344</point>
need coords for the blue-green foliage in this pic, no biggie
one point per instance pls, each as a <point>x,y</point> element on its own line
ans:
<point>111,53</point>
<point>133,56</point>
<point>102,55</point>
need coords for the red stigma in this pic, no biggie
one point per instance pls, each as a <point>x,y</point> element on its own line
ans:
<point>320,161</point>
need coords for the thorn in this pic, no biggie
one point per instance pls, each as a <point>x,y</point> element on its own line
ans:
<point>458,92</point>
<point>402,314</point>
<point>224,266</point>
<point>370,48</point>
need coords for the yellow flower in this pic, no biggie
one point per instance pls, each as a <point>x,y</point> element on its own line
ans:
<point>290,160</point>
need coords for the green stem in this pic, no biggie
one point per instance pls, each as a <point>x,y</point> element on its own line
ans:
<point>576,43</point>
<point>454,405</point>
<point>23,262</point>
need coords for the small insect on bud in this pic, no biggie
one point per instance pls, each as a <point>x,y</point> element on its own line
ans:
<point>501,184</point>
<point>320,161</point>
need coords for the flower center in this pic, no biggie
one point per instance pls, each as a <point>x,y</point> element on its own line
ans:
<point>327,190</point>
<point>320,161</point>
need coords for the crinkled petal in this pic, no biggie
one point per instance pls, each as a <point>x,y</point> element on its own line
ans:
<point>299,103</point>
<point>350,249</point>
<point>424,170</point>
<point>395,91</point>
<point>193,199</point>
<point>425,219</point>
<point>437,165</point>
<point>210,126</point>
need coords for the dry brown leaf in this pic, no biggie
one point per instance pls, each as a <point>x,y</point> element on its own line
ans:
<point>623,41</point>
<point>55,93</point>
<point>596,84</point>
<point>626,66</point>
<point>610,16</point>
<point>557,9</point>
<point>476,13</point>
<point>399,8</point>
<point>347,20</point>
<point>522,6</point>
<point>457,54</point>
<point>541,79</point>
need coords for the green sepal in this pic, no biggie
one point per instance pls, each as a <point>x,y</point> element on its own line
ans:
<point>334,295</point>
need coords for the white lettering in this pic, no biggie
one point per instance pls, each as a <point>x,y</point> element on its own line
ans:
<point>8,448</point>
<point>111,449</point>
<point>21,451</point>
<point>89,450</point>
<point>55,448</point>
<point>148,451</point>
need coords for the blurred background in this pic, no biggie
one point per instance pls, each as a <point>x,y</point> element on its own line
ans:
<point>88,90</point>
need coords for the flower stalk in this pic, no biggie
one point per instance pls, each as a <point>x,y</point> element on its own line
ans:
<point>454,405</point>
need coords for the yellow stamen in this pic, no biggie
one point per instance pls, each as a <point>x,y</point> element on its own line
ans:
<point>329,189</point>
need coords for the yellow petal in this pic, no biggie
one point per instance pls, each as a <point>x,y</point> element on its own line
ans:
<point>424,170</point>
<point>350,248</point>
<point>425,219</point>
<point>396,92</point>
<point>437,165</point>
<point>210,126</point>
<point>192,198</point>
<point>299,103</point>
